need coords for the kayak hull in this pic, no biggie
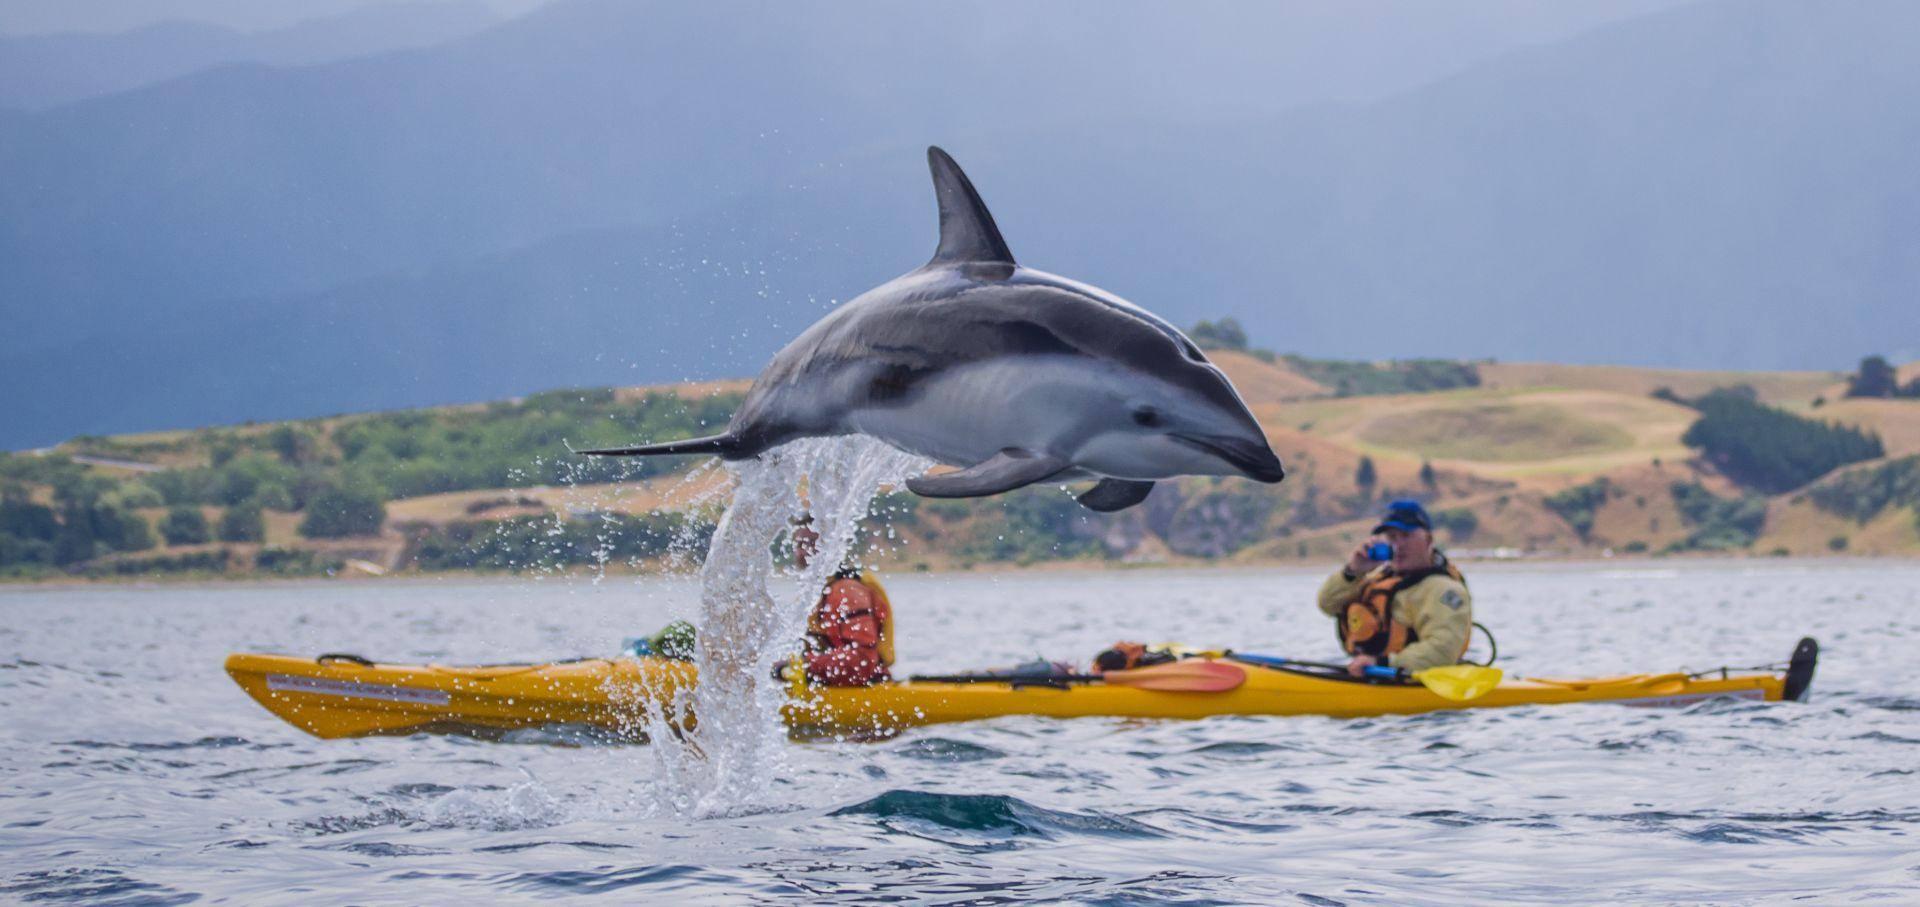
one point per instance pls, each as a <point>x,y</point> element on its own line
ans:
<point>340,696</point>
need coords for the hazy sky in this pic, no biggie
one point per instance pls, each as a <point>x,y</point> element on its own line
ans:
<point>39,16</point>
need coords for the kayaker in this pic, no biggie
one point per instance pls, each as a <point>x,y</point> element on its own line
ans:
<point>1398,601</point>
<point>850,631</point>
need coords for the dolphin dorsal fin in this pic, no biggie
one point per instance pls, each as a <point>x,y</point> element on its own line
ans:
<point>967,232</point>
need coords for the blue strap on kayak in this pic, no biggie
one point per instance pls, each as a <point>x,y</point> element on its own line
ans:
<point>1381,672</point>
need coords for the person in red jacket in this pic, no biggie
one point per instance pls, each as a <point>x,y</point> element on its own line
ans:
<point>850,631</point>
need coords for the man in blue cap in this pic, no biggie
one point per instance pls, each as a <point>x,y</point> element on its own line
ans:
<point>1399,601</point>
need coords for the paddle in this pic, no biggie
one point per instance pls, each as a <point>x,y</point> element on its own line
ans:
<point>1186,676</point>
<point>1191,675</point>
<point>1457,683</point>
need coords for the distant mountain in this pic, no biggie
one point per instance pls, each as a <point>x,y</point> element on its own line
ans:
<point>591,194</point>
<point>42,71</point>
<point>105,17</point>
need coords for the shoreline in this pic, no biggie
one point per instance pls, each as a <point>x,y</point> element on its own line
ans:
<point>477,578</point>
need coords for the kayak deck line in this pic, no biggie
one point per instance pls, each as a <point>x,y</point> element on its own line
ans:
<point>333,696</point>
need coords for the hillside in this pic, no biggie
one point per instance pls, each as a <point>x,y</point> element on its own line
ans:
<point>1584,463</point>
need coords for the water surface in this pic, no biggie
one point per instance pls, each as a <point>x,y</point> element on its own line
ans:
<point>134,771</point>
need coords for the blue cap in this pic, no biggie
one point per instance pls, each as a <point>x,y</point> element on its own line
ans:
<point>1405,516</point>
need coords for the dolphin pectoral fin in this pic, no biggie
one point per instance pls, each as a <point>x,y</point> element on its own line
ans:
<point>1004,471</point>
<point>1114,494</point>
<point>724,445</point>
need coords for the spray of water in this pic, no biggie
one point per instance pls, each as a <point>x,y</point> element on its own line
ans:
<point>753,613</point>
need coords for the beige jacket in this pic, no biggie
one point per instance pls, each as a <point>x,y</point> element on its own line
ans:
<point>1438,608</point>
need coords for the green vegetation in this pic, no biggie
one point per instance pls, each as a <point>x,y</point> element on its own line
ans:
<point>195,562</point>
<point>1220,518</point>
<point>416,452</point>
<point>1225,334</point>
<point>1032,524</point>
<point>243,523</point>
<point>1862,494</point>
<point>185,526</point>
<point>1400,376</point>
<point>1365,476</point>
<point>1718,524</point>
<point>550,542</point>
<point>1771,450</point>
<point>296,562</point>
<point>1878,378</point>
<point>1459,523</point>
<point>1580,505</point>
<point>337,513</point>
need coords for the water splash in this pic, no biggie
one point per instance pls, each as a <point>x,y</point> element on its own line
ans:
<point>753,613</point>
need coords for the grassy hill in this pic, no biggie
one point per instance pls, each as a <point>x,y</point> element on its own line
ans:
<point>1514,459</point>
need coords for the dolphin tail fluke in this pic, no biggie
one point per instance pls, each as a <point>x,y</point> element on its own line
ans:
<point>967,231</point>
<point>1004,471</point>
<point>1115,494</point>
<point>723,445</point>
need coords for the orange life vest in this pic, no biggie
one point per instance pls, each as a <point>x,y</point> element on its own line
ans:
<point>848,597</point>
<point>1367,627</point>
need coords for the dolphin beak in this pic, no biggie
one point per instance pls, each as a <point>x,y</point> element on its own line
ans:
<point>1256,461</point>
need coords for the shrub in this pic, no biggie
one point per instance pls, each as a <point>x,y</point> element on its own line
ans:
<point>1032,524</point>
<point>191,562</point>
<point>550,541</point>
<point>1580,505</point>
<point>1364,475</point>
<point>1718,523</point>
<point>1459,523</point>
<point>343,512</point>
<point>1860,495</point>
<point>296,562</point>
<point>1403,376</point>
<point>185,526</point>
<point>243,523</point>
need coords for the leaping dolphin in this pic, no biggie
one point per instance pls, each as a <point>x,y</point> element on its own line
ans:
<point>1015,375</point>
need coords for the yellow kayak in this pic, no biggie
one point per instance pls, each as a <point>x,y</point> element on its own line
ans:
<point>347,696</point>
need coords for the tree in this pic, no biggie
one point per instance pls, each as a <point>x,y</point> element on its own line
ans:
<point>338,512</point>
<point>1769,449</point>
<point>1365,476</point>
<point>1876,378</point>
<point>1427,477</point>
<point>184,525</point>
<point>1225,334</point>
<point>243,523</point>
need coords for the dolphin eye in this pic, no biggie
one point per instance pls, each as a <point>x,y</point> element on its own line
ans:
<point>1146,416</point>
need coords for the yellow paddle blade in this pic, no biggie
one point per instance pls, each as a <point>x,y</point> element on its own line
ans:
<point>1459,682</point>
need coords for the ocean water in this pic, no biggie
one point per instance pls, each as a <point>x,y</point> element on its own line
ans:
<point>132,771</point>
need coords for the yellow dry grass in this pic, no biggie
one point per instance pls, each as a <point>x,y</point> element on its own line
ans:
<point>1773,387</point>
<point>1500,432</point>
<point>1801,528</point>
<point>1261,382</point>
<point>1896,421</point>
